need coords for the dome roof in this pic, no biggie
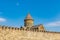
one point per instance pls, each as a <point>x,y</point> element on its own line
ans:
<point>28,16</point>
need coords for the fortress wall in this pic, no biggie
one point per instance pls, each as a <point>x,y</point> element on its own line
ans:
<point>17,34</point>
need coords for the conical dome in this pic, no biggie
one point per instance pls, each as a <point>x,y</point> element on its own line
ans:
<point>28,21</point>
<point>28,16</point>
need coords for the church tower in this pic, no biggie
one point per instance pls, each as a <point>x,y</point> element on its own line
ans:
<point>28,21</point>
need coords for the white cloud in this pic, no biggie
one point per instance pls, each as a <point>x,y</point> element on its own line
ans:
<point>2,19</point>
<point>53,24</point>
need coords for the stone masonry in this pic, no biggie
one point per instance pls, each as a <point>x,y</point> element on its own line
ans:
<point>28,32</point>
<point>17,34</point>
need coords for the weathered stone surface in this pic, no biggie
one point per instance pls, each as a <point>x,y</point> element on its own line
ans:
<point>6,34</point>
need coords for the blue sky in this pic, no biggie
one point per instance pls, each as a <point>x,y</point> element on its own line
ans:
<point>46,12</point>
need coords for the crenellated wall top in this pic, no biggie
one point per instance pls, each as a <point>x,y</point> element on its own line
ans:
<point>15,28</point>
